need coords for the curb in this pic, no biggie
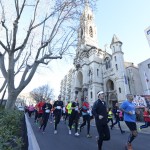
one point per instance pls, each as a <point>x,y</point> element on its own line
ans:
<point>33,144</point>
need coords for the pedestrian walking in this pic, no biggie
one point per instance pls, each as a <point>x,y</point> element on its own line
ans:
<point>116,114</point>
<point>130,119</point>
<point>58,105</point>
<point>86,116</point>
<point>99,111</point>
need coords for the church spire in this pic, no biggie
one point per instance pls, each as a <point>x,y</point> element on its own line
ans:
<point>87,31</point>
<point>86,2</point>
<point>115,39</point>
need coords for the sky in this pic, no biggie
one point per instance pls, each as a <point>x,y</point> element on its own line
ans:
<point>126,19</point>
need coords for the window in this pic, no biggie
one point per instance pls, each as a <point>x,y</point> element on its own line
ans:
<point>91,95</point>
<point>148,66</point>
<point>107,63</point>
<point>116,67</point>
<point>119,90</point>
<point>115,58</point>
<point>97,72</point>
<point>114,48</point>
<point>91,32</point>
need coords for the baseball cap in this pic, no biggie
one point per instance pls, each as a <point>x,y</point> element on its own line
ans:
<point>100,92</point>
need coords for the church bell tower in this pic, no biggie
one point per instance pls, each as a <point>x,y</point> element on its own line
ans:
<point>87,34</point>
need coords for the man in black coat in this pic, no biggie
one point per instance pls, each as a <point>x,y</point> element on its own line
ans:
<point>99,111</point>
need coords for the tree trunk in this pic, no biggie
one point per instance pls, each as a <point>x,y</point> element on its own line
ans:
<point>10,104</point>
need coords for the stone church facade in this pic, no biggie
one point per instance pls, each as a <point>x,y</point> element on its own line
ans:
<point>97,70</point>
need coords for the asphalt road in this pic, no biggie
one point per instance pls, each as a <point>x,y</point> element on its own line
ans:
<point>63,141</point>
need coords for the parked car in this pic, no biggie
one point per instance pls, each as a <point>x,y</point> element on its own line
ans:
<point>21,108</point>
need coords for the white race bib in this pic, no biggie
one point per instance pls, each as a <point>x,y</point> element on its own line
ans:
<point>133,112</point>
<point>76,109</point>
<point>47,111</point>
<point>58,107</point>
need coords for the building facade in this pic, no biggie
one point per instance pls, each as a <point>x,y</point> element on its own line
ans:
<point>65,89</point>
<point>144,70</point>
<point>98,70</point>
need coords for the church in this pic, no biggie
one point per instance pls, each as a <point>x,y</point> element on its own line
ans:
<point>98,70</point>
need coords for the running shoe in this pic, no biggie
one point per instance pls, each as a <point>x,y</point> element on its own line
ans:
<point>139,129</point>
<point>128,146</point>
<point>122,132</point>
<point>77,134</point>
<point>69,131</point>
<point>89,136</point>
<point>55,131</point>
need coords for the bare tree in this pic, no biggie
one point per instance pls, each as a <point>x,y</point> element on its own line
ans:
<point>33,33</point>
<point>42,92</point>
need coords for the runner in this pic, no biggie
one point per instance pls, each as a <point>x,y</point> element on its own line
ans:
<point>35,113</point>
<point>86,116</point>
<point>40,112</point>
<point>110,116</point>
<point>46,112</point>
<point>146,116</point>
<point>74,116</point>
<point>58,105</point>
<point>116,114</point>
<point>130,119</point>
<point>100,113</point>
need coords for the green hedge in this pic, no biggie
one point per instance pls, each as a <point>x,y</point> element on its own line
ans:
<point>10,129</point>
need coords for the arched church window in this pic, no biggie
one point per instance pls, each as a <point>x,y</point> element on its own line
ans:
<point>114,48</point>
<point>91,95</point>
<point>97,72</point>
<point>119,90</point>
<point>91,31</point>
<point>81,32</point>
<point>116,67</point>
<point>107,63</point>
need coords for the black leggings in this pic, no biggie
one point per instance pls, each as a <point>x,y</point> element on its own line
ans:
<point>57,119</point>
<point>104,133</point>
<point>118,122</point>
<point>86,118</point>
<point>45,120</point>
<point>110,119</point>
<point>36,115</point>
<point>73,118</point>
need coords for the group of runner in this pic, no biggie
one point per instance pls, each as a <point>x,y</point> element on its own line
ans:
<point>72,112</point>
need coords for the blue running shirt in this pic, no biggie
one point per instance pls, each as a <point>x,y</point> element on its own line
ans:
<point>128,106</point>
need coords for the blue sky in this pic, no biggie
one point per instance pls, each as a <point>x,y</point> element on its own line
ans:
<point>127,19</point>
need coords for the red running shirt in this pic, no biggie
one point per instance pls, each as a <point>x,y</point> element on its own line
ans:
<point>40,105</point>
<point>146,116</point>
